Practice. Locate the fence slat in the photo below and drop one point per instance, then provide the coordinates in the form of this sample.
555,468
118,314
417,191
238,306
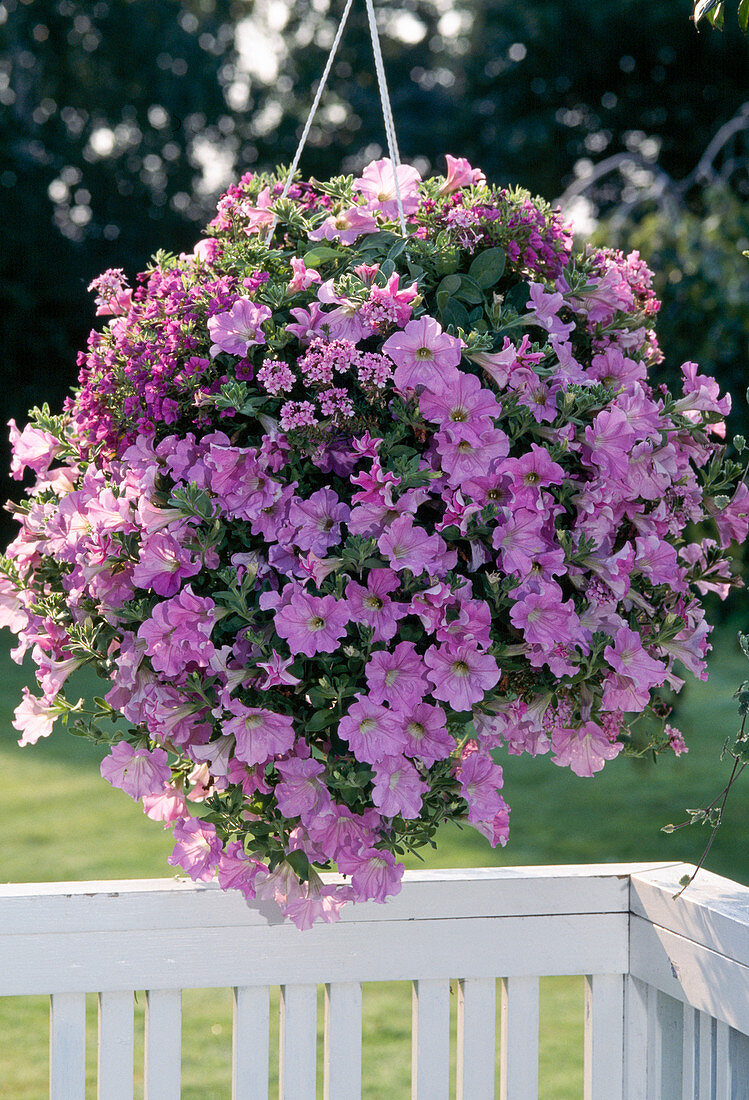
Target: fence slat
430,1039
654,1049
635,1038
705,1077
250,1025
343,1037
476,1038
738,1053
689,1053
722,1064
115,1054
163,1068
604,1037
519,1048
297,1043
67,1046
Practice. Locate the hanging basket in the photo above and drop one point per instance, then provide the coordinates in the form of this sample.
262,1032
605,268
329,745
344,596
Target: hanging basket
370,484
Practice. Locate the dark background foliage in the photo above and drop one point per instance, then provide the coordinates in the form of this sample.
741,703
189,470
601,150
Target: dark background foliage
121,119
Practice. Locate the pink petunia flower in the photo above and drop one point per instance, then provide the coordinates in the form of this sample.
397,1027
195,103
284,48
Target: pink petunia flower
425,733
373,606
461,674
239,328
312,624
584,750
396,677
460,174
398,787
197,850
137,772
301,792
371,730
424,355
377,185
375,876
259,733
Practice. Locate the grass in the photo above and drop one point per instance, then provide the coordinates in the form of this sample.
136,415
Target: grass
61,821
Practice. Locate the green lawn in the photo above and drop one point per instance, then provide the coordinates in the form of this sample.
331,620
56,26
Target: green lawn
61,821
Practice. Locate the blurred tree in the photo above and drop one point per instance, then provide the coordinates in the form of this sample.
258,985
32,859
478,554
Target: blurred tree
122,118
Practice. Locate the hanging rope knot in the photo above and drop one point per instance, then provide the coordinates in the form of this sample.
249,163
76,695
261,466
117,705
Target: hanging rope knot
387,111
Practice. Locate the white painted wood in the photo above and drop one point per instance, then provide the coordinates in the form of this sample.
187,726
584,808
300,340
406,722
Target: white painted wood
690,1030
67,1046
712,911
738,1054
163,1065
297,1043
68,939
604,1037
635,1039
670,1015
250,1028
115,1053
706,1053
722,1064
690,972
169,904
654,1049
519,1042
476,1038
430,1040
343,1040
399,950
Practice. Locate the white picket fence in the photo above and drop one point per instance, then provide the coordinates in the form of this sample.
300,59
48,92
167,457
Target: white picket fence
667,981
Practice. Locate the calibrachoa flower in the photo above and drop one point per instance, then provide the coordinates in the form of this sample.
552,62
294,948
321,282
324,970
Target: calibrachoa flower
343,548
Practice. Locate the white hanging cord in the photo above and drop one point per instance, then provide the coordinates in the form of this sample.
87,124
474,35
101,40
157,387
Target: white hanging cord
387,110
313,111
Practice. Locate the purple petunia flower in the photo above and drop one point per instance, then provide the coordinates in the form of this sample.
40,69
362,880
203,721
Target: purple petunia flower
312,624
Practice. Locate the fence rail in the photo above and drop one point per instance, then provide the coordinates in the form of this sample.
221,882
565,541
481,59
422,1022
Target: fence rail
667,981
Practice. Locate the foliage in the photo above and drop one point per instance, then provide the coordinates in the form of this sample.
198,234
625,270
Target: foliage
714,11
121,121
338,511
702,280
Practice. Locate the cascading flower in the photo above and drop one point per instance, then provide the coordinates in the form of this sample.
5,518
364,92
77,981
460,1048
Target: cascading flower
348,517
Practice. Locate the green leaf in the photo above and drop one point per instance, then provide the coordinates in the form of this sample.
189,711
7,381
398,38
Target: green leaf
703,8
488,267
744,643
449,285
318,255
320,720
470,291
455,313
518,296
299,863
397,248
744,15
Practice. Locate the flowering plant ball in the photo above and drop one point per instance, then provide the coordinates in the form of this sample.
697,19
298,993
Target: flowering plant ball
338,512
